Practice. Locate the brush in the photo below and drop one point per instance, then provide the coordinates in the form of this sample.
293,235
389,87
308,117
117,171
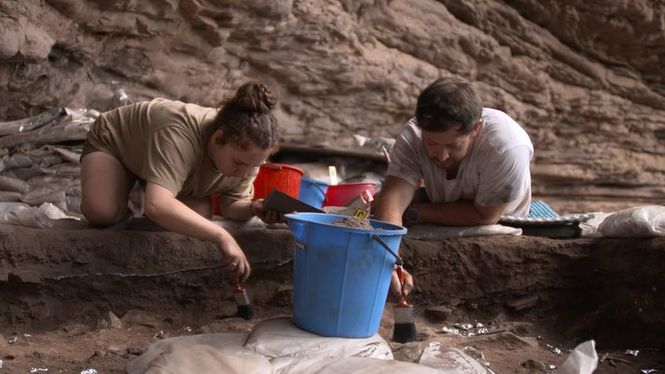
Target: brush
245,310
404,330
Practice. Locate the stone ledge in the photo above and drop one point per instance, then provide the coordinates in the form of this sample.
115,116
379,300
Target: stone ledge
48,276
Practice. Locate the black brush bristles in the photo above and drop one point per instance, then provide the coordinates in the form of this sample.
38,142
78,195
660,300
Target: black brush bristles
245,309
245,312
404,330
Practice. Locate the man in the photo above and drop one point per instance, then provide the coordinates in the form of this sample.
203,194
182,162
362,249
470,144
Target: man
472,161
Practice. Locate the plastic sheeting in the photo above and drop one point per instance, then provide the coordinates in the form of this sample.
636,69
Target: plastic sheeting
277,346
643,221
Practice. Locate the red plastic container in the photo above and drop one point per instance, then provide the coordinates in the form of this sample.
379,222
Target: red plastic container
282,177
342,194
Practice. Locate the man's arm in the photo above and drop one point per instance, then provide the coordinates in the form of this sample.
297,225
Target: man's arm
395,196
390,204
459,213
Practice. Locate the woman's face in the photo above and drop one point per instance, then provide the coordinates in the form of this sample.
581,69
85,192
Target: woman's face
233,161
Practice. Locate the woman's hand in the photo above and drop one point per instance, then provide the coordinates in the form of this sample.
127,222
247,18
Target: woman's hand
235,262
397,291
267,216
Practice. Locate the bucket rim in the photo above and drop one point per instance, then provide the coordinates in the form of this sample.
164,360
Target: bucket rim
271,165
351,185
354,184
395,230
314,181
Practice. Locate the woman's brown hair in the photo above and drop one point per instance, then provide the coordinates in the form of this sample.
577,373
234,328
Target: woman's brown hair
246,117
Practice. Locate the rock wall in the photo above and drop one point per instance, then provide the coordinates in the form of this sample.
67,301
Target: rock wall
585,78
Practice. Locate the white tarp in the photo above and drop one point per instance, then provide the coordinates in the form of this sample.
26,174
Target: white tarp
277,346
209,353
450,360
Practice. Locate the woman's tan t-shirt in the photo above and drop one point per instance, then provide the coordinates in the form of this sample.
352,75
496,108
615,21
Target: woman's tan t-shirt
164,142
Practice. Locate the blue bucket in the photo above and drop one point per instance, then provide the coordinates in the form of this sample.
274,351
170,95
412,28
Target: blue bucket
312,192
341,274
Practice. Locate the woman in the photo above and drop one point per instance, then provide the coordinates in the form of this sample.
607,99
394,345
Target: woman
183,153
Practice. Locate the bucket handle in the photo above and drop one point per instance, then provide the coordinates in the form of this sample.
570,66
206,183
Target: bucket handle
398,260
325,198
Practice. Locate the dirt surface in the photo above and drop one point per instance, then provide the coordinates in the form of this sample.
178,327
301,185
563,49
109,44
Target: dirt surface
534,295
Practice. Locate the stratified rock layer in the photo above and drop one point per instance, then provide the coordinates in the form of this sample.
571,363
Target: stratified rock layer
585,78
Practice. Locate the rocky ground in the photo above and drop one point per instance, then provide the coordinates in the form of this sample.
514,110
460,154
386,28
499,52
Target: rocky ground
522,344
59,288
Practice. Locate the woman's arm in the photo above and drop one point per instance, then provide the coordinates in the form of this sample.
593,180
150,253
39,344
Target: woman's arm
244,209
240,210
162,207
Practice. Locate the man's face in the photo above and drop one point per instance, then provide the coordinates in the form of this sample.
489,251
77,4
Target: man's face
448,148
233,161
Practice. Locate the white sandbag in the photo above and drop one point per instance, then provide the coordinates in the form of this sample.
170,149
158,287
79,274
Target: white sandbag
30,123
10,196
195,354
69,154
23,173
450,360
582,360
280,338
44,216
642,221
590,227
45,194
13,184
357,365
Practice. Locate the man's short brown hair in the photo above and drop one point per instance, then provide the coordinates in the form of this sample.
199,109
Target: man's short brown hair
448,103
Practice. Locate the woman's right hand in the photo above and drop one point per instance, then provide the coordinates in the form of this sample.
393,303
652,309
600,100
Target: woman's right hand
267,216
235,261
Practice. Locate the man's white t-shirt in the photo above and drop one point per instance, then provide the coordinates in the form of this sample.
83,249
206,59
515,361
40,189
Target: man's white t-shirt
494,172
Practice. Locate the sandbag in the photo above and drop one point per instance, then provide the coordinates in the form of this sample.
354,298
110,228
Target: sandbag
44,216
31,123
13,184
357,365
642,221
279,337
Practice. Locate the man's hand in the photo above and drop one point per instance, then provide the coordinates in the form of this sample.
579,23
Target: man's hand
397,291
267,216
235,261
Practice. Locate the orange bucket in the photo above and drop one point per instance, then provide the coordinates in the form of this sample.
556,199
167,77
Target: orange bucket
282,177
342,194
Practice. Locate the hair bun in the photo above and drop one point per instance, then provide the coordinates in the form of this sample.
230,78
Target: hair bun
254,97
